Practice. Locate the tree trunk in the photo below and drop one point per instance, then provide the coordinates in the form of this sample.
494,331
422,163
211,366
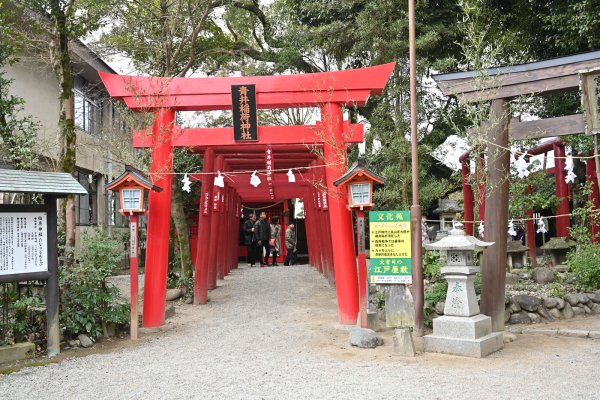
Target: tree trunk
67,138
183,233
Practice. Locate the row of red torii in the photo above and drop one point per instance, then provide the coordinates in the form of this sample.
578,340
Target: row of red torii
319,152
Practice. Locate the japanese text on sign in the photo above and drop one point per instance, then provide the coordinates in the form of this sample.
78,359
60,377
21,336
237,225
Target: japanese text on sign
244,112
23,243
390,247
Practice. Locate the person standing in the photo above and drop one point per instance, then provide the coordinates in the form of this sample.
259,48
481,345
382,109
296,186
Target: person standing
290,244
249,240
262,235
275,242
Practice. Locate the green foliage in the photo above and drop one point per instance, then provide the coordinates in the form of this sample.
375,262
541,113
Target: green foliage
88,302
379,300
584,262
437,292
543,196
555,289
17,324
584,214
432,264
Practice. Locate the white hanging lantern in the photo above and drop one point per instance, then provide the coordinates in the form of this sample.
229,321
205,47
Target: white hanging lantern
291,176
219,180
254,179
186,184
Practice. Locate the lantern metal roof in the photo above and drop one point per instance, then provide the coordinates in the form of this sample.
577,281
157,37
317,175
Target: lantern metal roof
59,184
135,174
458,240
357,169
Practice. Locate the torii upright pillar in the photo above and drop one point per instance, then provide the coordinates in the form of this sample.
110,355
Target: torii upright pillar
159,219
344,258
493,273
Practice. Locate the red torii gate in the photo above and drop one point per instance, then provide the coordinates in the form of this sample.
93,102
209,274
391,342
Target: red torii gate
329,223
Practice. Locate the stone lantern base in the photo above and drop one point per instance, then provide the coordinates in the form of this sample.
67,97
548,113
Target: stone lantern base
463,336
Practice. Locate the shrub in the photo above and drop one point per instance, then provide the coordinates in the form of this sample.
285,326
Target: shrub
432,264
556,289
437,292
379,300
584,262
87,301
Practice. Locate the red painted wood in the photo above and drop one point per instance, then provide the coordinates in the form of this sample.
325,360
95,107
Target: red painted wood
159,220
530,232
562,223
321,85
263,100
591,177
204,223
481,186
362,272
340,219
468,198
268,136
214,231
222,235
133,280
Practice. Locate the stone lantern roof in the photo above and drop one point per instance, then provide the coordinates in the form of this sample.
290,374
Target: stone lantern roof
515,246
458,240
448,206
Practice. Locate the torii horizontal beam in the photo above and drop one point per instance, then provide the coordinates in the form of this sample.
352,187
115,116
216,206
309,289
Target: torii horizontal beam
349,87
273,135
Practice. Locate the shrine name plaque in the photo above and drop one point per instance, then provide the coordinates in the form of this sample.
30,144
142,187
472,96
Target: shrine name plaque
23,242
245,125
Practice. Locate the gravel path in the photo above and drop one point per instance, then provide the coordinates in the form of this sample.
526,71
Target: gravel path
272,334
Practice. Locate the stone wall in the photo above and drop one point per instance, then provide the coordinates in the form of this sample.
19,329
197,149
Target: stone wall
527,309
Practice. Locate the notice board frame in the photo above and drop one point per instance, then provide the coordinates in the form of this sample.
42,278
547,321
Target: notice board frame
31,276
51,276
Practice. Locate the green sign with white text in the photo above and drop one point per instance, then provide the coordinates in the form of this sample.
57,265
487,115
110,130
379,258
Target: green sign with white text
390,247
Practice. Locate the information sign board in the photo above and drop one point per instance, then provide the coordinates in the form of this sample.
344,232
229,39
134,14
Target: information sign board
23,242
390,250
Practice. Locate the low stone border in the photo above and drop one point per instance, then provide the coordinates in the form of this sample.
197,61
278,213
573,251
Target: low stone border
526,309
576,333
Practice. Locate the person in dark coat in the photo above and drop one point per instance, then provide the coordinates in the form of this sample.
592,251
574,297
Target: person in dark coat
262,235
249,239
291,240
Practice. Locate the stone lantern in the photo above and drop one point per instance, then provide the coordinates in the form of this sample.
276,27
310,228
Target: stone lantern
558,248
516,254
462,330
446,211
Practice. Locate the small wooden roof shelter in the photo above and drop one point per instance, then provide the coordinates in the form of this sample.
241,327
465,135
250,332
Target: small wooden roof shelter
57,184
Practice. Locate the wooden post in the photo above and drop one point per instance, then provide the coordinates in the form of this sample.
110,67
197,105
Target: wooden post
214,229
159,220
52,320
340,218
562,191
133,275
493,271
530,233
363,298
467,196
204,224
